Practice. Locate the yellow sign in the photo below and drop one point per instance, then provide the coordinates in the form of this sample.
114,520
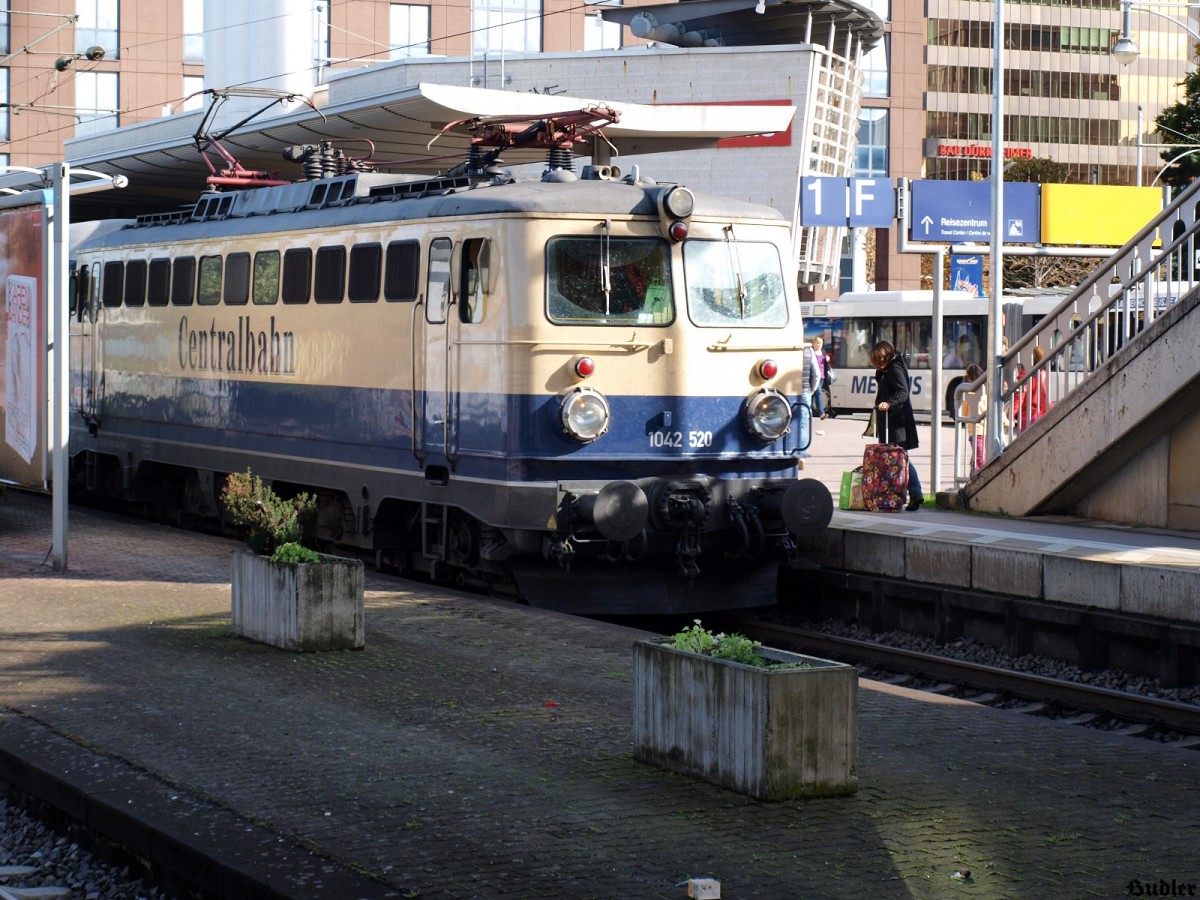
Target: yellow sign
1096,215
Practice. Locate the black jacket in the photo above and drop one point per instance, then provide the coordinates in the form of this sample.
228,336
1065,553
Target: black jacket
891,387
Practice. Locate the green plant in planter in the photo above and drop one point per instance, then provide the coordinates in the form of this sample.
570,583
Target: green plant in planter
734,647
274,526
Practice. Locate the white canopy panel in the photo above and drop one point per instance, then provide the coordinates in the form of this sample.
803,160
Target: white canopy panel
161,157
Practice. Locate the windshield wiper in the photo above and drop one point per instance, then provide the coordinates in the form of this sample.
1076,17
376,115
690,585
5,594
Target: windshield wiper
731,239
605,262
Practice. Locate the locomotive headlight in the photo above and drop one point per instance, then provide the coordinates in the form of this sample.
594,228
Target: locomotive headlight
675,204
584,414
768,415
679,202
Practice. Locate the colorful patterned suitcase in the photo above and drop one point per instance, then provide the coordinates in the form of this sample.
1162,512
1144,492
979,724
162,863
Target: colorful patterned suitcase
885,475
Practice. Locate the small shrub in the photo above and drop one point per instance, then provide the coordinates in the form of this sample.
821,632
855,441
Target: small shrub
270,521
292,552
735,647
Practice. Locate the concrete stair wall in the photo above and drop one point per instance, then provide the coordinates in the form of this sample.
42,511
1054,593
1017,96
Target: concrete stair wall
1122,447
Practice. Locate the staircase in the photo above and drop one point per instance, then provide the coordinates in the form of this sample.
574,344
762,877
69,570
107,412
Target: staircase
1122,368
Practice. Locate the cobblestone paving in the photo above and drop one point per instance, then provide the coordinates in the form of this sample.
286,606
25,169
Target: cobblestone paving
482,749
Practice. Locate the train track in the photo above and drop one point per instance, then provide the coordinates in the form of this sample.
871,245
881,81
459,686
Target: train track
1079,703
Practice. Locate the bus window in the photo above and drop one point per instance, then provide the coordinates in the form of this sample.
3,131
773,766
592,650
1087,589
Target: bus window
911,340
858,336
963,340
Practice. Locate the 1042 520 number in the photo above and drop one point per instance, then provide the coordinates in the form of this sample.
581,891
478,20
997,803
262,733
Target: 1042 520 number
676,439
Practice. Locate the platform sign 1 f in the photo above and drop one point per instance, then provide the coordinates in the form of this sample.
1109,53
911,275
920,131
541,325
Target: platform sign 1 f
854,202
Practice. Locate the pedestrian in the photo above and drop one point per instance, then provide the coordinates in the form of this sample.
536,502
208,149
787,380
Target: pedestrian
1038,389
976,428
830,378
809,381
893,402
818,395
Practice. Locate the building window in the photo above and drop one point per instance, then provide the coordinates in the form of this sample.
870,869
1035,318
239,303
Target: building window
95,102
3,26
513,26
193,31
97,26
192,98
871,158
1020,36
4,109
409,30
599,34
875,69
881,8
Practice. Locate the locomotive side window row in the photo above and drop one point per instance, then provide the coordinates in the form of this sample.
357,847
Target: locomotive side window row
267,277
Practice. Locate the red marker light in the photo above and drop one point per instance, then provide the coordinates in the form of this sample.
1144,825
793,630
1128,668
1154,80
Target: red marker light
584,366
678,231
768,368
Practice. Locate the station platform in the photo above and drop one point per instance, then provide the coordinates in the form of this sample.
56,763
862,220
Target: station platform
477,748
1146,572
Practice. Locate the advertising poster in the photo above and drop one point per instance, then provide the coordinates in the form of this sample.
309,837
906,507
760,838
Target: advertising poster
966,274
22,363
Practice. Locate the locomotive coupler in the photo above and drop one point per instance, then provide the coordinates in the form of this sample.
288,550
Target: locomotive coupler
678,504
683,506
687,550
561,550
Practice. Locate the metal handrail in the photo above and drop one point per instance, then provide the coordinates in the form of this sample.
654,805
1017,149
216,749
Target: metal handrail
1088,328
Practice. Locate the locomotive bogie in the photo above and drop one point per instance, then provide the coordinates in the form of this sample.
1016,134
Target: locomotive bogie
496,383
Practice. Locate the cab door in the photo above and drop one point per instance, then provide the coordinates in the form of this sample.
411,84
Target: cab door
434,436
85,360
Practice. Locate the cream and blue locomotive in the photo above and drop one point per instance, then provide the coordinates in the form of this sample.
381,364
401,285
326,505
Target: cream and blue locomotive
583,390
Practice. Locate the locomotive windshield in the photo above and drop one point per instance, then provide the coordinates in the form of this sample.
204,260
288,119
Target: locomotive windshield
609,281
734,283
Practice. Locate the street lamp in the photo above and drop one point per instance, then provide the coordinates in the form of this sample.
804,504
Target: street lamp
1125,50
1163,170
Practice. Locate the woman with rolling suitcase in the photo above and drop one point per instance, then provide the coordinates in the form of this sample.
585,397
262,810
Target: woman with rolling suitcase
896,425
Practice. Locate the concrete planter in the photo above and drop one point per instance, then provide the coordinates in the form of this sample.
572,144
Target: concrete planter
772,734
299,606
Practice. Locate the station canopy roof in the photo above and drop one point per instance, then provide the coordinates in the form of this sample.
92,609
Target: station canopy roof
162,162
760,23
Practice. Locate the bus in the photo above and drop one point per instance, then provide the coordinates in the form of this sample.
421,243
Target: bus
851,324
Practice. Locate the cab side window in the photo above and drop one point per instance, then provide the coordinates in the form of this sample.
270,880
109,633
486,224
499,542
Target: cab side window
476,274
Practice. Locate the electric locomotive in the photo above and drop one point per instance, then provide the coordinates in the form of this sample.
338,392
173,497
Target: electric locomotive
582,390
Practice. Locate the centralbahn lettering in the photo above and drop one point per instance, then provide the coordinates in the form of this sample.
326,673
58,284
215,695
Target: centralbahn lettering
244,350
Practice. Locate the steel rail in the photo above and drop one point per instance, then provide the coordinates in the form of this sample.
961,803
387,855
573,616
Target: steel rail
1169,714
